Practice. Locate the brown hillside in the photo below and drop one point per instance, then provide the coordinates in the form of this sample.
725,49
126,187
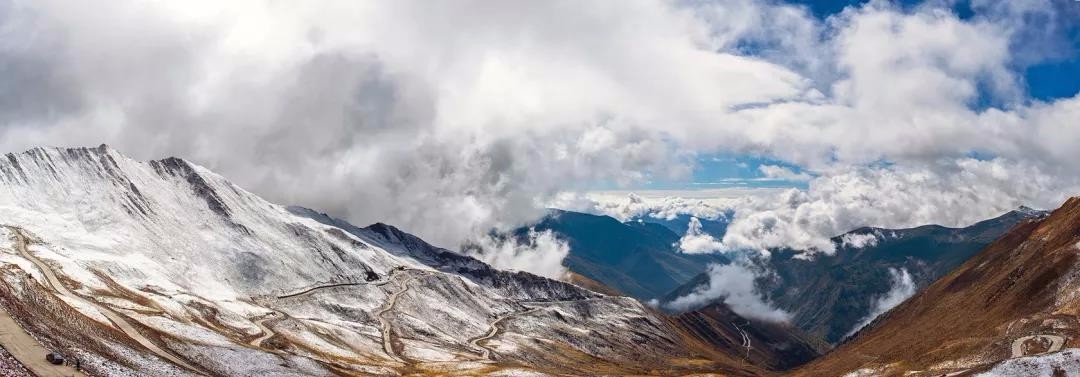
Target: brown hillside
1022,285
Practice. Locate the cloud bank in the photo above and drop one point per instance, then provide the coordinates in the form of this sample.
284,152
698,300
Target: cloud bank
540,253
696,241
449,119
734,285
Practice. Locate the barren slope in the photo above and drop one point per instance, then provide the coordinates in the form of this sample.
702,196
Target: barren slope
1020,295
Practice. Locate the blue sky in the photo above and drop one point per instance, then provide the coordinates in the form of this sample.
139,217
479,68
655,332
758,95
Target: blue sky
1054,76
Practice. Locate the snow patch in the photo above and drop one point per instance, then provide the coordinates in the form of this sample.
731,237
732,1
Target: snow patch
1067,361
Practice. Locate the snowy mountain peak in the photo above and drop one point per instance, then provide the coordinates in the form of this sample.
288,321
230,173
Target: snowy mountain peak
216,274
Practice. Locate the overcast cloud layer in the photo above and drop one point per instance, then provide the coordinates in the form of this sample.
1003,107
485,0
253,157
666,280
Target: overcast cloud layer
449,118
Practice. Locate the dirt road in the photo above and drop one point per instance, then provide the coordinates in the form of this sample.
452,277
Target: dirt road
267,331
493,330
388,345
1056,342
21,245
308,291
28,351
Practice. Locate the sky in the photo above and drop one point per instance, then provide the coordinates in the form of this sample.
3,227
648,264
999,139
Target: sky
451,118
1055,76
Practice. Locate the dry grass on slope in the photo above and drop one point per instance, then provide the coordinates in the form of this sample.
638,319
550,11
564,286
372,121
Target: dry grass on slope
1025,283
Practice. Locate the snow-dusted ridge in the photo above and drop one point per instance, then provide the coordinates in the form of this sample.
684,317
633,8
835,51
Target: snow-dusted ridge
207,268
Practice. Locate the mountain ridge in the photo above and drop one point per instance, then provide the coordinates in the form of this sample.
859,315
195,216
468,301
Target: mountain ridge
829,294
230,284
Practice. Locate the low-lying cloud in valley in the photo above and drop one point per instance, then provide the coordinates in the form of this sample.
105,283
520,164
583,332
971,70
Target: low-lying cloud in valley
734,285
903,287
450,119
541,253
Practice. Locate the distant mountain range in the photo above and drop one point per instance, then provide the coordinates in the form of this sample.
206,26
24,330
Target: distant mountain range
828,296
638,258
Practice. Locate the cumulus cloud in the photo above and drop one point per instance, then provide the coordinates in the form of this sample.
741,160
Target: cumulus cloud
734,285
715,205
696,241
951,193
859,240
903,287
539,252
450,119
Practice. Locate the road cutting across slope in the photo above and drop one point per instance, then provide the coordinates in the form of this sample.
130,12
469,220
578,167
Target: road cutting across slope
388,345
22,247
28,351
745,339
308,291
267,332
493,329
1056,342
311,290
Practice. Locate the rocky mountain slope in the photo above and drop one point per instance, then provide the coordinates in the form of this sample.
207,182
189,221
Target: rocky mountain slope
165,268
1011,310
830,296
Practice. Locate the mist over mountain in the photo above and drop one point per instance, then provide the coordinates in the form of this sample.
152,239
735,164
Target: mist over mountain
828,297
544,188
638,258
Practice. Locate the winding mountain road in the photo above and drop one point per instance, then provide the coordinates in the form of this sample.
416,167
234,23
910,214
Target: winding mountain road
1056,342
267,331
22,246
388,345
313,289
308,291
745,339
493,329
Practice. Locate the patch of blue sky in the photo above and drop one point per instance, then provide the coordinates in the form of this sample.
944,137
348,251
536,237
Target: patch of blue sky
1051,75
719,171
1047,50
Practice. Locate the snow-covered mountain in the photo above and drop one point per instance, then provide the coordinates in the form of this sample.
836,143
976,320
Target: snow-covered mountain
166,268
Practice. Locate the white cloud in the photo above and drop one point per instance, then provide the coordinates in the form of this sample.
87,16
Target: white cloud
734,283
449,119
859,240
541,253
696,241
660,205
903,287
783,173
951,193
